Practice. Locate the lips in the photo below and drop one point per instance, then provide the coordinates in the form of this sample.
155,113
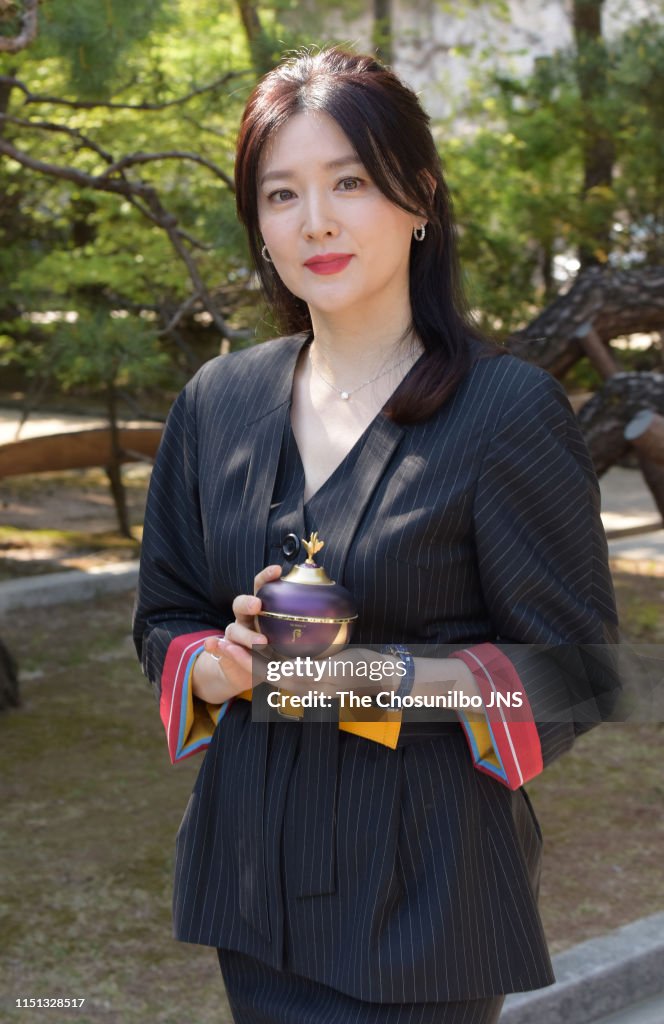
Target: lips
329,263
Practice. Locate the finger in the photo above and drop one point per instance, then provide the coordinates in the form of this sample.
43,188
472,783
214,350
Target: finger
245,606
214,646
267,575
238,633
236,654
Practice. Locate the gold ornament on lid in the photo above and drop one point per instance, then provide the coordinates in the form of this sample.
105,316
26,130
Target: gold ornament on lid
312,547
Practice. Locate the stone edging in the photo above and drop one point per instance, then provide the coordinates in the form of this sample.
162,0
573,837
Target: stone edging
597,977
62,587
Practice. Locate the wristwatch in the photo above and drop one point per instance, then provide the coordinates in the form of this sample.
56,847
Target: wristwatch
404,655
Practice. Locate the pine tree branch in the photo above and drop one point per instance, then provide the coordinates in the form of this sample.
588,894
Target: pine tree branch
146,200
50,126
29,26
31,97
133,159
612,301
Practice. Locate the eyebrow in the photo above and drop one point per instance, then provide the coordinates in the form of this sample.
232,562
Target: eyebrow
341,161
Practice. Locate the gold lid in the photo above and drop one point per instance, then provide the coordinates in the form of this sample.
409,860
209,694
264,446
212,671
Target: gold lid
308,573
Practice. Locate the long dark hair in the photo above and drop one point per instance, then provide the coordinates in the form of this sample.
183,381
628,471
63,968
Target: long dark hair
390,132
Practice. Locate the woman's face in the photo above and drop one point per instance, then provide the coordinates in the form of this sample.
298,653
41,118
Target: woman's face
335,240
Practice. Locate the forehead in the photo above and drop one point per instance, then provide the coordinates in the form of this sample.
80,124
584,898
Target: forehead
308,138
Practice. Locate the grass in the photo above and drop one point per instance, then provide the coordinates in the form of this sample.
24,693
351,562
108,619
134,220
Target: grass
91,806
66,520
31,552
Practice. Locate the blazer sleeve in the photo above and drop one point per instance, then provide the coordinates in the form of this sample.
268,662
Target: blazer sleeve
543,565
173,612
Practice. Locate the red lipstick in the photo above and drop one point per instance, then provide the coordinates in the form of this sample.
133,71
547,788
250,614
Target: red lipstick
329,262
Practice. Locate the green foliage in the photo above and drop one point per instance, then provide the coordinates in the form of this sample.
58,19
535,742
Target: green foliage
95,353
516,173
638,77
514,162
96,37
10,18
67,247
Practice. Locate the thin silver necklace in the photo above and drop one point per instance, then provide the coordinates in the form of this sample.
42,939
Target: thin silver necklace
345,393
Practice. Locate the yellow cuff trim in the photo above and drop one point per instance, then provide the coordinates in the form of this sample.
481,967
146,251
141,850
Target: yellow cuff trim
386,732
478,725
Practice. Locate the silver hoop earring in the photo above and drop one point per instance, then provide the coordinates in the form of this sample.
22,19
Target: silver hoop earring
419,233
265,254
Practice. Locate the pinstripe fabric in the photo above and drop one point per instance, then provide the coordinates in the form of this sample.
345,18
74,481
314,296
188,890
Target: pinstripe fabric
479,525
260,995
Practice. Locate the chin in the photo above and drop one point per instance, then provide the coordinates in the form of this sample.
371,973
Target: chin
332,302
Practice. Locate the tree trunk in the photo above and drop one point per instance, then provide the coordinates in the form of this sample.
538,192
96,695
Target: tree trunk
603,419
613,302
114,467
259,44
382,30
598,146
653,474
5,97
9,695
646,433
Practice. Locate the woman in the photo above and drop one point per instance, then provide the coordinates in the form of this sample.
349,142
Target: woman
380,871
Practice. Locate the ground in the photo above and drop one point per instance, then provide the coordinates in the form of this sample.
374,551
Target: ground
57,521
91,804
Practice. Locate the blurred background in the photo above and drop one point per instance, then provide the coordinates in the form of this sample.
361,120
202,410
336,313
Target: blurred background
122,269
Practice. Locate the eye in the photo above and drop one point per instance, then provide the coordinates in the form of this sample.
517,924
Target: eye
280,195
349,184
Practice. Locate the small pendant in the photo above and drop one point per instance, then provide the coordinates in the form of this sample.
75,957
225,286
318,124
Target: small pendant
345,396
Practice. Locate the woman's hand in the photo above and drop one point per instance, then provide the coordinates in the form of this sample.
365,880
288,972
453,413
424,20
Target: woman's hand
224,670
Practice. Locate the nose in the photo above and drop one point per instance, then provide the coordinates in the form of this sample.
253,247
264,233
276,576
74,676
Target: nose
319,220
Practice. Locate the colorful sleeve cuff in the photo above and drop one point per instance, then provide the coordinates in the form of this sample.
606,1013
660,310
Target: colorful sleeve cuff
503,738
188,721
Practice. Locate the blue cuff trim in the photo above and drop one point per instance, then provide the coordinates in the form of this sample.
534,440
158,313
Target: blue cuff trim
187,695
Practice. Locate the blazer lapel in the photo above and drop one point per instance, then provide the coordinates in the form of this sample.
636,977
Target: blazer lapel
353,491
262,443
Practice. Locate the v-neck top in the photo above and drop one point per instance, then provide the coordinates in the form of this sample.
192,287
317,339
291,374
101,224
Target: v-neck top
290,515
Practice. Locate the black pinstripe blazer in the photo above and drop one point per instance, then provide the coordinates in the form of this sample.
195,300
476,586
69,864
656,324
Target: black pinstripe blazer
399,875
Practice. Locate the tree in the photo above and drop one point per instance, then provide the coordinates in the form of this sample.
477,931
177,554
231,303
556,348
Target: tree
108,209
597,139
9,692
519,176
116,193
103,355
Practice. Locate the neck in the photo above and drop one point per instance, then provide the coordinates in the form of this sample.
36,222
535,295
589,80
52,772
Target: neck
353,350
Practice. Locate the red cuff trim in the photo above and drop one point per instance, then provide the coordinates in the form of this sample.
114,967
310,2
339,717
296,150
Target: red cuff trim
173,679
513,730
